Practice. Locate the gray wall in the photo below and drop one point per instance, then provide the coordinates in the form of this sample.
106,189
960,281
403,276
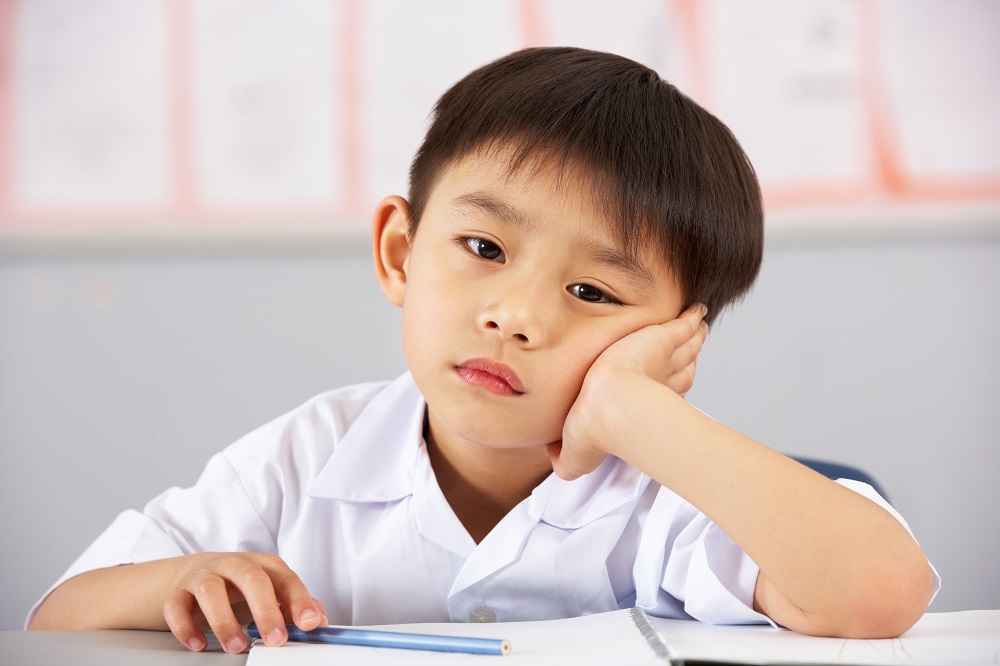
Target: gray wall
122,370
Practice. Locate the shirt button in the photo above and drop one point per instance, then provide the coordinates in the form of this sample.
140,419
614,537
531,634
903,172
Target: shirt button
482,614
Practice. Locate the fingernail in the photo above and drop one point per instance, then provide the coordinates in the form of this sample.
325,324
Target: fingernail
197,644
236,645
308,616
275,637
704,309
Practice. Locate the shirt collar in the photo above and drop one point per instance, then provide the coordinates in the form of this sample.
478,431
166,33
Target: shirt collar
377,458
573,504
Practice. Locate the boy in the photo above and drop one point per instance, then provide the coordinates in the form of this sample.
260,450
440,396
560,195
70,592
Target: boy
574,224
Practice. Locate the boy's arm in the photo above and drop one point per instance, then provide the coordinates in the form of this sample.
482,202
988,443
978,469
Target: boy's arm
185,594
831,561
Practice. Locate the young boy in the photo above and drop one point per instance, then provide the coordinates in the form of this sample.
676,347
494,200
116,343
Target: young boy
574,224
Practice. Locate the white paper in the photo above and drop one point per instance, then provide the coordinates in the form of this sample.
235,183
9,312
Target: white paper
787,78
412,53
971,637
941,71
648,32
608,638
90,104
957,639
267,102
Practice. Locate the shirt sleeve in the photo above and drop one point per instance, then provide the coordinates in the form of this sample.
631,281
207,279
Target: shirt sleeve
688,567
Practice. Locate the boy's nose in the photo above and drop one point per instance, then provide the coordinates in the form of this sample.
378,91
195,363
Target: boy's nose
519,316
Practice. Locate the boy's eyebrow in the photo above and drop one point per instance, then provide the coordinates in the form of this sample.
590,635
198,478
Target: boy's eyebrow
615,258
493,206
505,213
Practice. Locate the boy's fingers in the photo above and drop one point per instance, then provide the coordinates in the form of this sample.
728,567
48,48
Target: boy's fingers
181,606
304,611
308,614
178,611
210,593
688,352
680,382
694,314
257,581
687,327
569,464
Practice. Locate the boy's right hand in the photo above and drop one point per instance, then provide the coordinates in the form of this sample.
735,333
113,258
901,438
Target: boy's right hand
221,591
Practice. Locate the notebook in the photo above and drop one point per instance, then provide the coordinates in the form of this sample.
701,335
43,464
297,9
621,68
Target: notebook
630,637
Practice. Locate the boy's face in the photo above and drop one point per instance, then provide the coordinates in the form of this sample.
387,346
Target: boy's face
513,287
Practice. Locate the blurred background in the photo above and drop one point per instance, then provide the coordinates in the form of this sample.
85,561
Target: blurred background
185,191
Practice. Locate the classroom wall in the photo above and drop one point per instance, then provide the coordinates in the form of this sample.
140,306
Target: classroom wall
184,195
121,373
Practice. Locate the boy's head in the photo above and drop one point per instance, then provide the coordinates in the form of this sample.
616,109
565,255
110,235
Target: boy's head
667,173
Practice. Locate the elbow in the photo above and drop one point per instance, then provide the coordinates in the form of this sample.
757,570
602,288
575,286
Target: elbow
897,595
38,620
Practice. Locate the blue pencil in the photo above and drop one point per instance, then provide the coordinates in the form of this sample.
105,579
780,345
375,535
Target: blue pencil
393,639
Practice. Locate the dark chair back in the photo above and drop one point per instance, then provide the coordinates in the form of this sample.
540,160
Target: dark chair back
837,471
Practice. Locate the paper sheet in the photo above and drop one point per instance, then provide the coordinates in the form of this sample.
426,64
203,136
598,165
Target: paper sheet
411,56
957,639
266,80
970,637
787,77
89,98
608,638
941,63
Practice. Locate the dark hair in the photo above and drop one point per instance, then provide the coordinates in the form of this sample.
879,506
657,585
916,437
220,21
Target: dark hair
668,172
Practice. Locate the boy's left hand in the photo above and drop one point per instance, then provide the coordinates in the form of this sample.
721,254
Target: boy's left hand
666,353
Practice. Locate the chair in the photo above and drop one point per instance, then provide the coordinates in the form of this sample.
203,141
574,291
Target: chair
837,471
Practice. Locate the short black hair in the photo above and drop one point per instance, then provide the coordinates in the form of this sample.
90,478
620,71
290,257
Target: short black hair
669,173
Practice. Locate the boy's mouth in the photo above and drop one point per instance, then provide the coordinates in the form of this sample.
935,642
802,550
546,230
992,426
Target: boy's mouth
494,377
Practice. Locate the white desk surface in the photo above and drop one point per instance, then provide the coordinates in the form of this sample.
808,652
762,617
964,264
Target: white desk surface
971,637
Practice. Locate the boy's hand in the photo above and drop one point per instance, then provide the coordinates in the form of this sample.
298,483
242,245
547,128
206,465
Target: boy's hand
666,353
225,590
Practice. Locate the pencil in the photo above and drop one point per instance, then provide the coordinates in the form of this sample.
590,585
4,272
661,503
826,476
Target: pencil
393,639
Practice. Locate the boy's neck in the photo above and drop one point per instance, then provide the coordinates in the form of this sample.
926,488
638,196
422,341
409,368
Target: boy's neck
482,485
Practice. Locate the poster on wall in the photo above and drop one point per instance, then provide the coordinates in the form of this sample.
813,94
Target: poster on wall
291,114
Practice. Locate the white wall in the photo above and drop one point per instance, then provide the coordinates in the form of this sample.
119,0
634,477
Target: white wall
121,372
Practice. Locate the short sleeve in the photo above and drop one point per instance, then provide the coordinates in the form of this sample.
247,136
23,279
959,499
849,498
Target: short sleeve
175,523
688,567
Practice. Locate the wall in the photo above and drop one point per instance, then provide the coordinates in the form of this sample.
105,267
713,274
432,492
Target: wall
120,374
184,184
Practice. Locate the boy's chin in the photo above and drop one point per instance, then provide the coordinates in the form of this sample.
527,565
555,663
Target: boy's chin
500,435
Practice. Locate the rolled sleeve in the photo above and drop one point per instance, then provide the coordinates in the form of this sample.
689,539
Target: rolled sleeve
132,537
688,567
177,523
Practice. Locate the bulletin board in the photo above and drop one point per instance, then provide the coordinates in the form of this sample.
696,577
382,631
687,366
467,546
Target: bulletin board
287,114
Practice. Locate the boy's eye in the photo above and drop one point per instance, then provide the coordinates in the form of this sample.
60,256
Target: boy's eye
484,248
590,294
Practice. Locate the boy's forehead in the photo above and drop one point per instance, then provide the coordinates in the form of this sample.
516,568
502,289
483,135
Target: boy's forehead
499,178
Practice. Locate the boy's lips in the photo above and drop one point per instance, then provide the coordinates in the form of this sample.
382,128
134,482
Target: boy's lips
490,375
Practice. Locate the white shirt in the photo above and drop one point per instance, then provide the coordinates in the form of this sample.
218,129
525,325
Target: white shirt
342,489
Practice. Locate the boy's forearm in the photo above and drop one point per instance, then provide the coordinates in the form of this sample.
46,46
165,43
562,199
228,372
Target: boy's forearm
123,597
833,561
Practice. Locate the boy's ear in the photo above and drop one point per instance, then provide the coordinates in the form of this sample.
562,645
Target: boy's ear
391,246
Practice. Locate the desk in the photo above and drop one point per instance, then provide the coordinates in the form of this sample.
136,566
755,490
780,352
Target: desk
107,648
971,637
